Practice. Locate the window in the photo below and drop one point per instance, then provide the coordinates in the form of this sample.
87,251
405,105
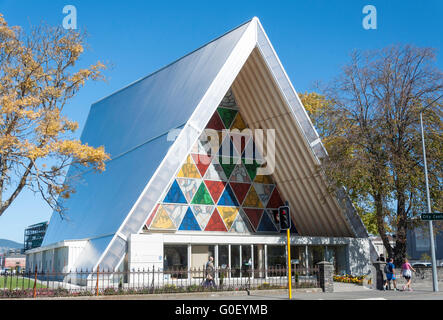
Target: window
175,257
235,261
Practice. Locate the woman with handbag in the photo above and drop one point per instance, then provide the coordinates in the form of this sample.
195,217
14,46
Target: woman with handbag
406,270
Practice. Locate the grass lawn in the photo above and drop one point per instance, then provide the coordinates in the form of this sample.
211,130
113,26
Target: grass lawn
20,282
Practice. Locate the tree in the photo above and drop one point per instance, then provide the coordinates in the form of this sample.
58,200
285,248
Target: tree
37,79
377,154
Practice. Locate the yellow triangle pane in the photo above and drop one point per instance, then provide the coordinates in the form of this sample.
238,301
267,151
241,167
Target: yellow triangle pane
263,179
252,200
228,215
189,170
238,123
162,220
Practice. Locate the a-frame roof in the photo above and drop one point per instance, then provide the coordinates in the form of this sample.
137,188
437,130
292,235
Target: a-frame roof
134,125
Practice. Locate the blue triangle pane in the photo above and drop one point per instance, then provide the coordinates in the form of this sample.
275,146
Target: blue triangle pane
228,198
189,222
175,195
266,224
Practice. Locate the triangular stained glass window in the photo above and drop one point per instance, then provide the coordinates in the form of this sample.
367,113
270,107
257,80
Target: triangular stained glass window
175,195
215,188
202,196
254,216
266,224
228,198
189,170
240,190
215,223
228,215
189,222
189,187
162,220
252,200
227,116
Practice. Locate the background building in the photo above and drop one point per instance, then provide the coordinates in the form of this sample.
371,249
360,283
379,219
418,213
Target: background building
34,235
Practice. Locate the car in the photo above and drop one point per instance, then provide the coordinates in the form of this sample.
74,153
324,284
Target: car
421,264
2,271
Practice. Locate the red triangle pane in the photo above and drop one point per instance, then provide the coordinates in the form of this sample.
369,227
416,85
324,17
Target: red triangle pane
275,201
254,216
215,188
215,122
202,162
215,223
151,216
240,190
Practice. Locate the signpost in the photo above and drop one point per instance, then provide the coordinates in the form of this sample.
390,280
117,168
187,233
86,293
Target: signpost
432,216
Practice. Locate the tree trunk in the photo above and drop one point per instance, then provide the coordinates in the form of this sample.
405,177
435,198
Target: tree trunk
400,243
378,201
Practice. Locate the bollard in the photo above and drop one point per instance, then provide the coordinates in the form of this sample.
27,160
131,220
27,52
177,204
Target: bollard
98,267
35,283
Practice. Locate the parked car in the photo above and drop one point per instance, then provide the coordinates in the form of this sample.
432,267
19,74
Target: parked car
421,264
2,271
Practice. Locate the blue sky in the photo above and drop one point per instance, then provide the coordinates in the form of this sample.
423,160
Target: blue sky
313,39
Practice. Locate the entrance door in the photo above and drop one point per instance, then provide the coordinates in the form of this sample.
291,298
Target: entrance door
199,257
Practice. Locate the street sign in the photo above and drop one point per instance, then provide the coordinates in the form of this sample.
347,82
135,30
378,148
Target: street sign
432,216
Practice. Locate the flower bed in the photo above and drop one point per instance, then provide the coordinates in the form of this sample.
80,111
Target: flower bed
349,279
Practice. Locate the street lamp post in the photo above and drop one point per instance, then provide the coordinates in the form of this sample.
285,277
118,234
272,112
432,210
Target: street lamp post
431,231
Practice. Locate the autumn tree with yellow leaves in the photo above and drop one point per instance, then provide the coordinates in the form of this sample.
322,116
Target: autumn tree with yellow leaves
368,118
37,78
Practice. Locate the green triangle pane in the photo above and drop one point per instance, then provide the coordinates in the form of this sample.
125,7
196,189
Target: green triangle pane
227,116
251,168
228,165
202,196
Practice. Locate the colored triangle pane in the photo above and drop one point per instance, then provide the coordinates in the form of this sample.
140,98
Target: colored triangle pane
228,215
241,224
162,220
227,116
202,162
252,200
189,187
251,167
151,217
240,174
275,201
175,195
238,122
228,101
202,214
240,190
215,188
254,216
266,224
228,165
215,172
189,170
215,223
215,122
202,196
189,222
228,198
264,192
176,212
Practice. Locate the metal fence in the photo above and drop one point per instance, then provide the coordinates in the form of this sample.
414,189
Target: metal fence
148,281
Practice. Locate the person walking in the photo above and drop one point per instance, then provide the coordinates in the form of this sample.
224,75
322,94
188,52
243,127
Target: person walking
406,271
210,272
390,274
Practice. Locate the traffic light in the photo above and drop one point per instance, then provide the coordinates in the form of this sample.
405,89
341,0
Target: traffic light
284,217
